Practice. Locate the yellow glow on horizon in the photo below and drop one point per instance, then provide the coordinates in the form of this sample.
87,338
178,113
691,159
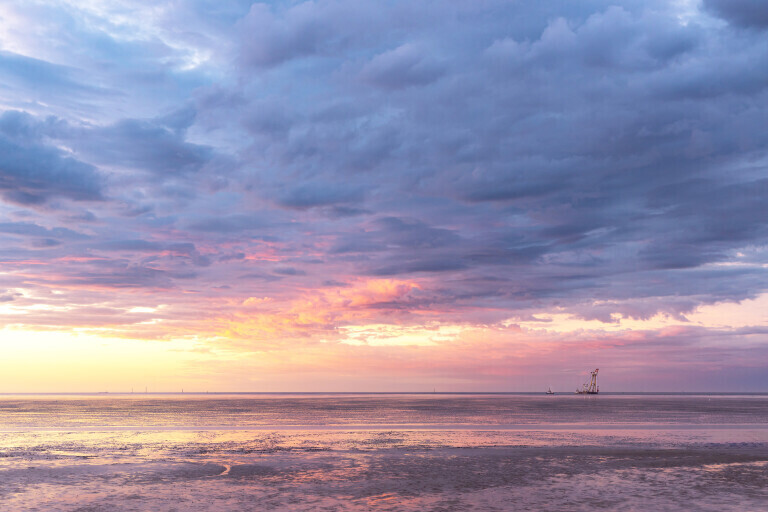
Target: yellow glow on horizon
283,346
53,361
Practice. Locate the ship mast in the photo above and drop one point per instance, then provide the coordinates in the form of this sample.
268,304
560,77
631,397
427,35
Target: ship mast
591,388
593,384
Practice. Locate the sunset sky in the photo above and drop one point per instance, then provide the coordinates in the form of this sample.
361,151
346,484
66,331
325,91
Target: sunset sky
346,195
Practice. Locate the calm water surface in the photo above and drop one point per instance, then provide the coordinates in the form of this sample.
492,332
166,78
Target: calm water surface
383,452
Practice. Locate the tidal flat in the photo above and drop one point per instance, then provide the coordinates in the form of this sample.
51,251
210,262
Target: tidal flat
383,452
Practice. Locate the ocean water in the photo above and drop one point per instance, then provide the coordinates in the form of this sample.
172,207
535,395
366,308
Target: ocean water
383,452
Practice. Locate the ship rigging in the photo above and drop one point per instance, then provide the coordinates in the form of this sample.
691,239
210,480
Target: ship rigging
590,387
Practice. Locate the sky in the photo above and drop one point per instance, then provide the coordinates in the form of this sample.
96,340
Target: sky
336,195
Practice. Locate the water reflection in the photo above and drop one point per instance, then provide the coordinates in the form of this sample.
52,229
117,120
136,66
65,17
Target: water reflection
341,453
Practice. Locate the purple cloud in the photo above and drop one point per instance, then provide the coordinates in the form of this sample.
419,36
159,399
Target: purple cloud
497,160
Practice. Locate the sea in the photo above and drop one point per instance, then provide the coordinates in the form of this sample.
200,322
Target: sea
383,452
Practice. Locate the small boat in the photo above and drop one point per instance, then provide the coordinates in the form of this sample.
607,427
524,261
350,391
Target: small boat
549,391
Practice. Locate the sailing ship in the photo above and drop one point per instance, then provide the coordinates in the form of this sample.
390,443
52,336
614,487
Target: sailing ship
549,391
590,387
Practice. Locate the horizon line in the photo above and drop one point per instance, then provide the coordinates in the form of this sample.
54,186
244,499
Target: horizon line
63,393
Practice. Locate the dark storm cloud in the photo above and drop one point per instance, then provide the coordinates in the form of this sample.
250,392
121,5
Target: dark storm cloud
397,246
258,276
154,145
81,216
130,245
144,246
405,66
133,276
404,266
32,173
734,215
413,234
604,158
501,188
228,224
45,243
345,211
289,271
31,229
745,13
274,34
309,195
238,256
403,234
269,118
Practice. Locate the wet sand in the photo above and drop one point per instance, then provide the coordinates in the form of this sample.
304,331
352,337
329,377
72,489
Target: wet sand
76,465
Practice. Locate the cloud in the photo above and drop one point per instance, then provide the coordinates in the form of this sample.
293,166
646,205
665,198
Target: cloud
405,66
31,76
130,246
406,234
289,271
598,161
743,13
184,249
32,173
312,195
272,35
31,229
8,296
228,223
155,145
269,40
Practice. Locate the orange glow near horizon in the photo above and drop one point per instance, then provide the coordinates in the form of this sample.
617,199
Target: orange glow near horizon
273,345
